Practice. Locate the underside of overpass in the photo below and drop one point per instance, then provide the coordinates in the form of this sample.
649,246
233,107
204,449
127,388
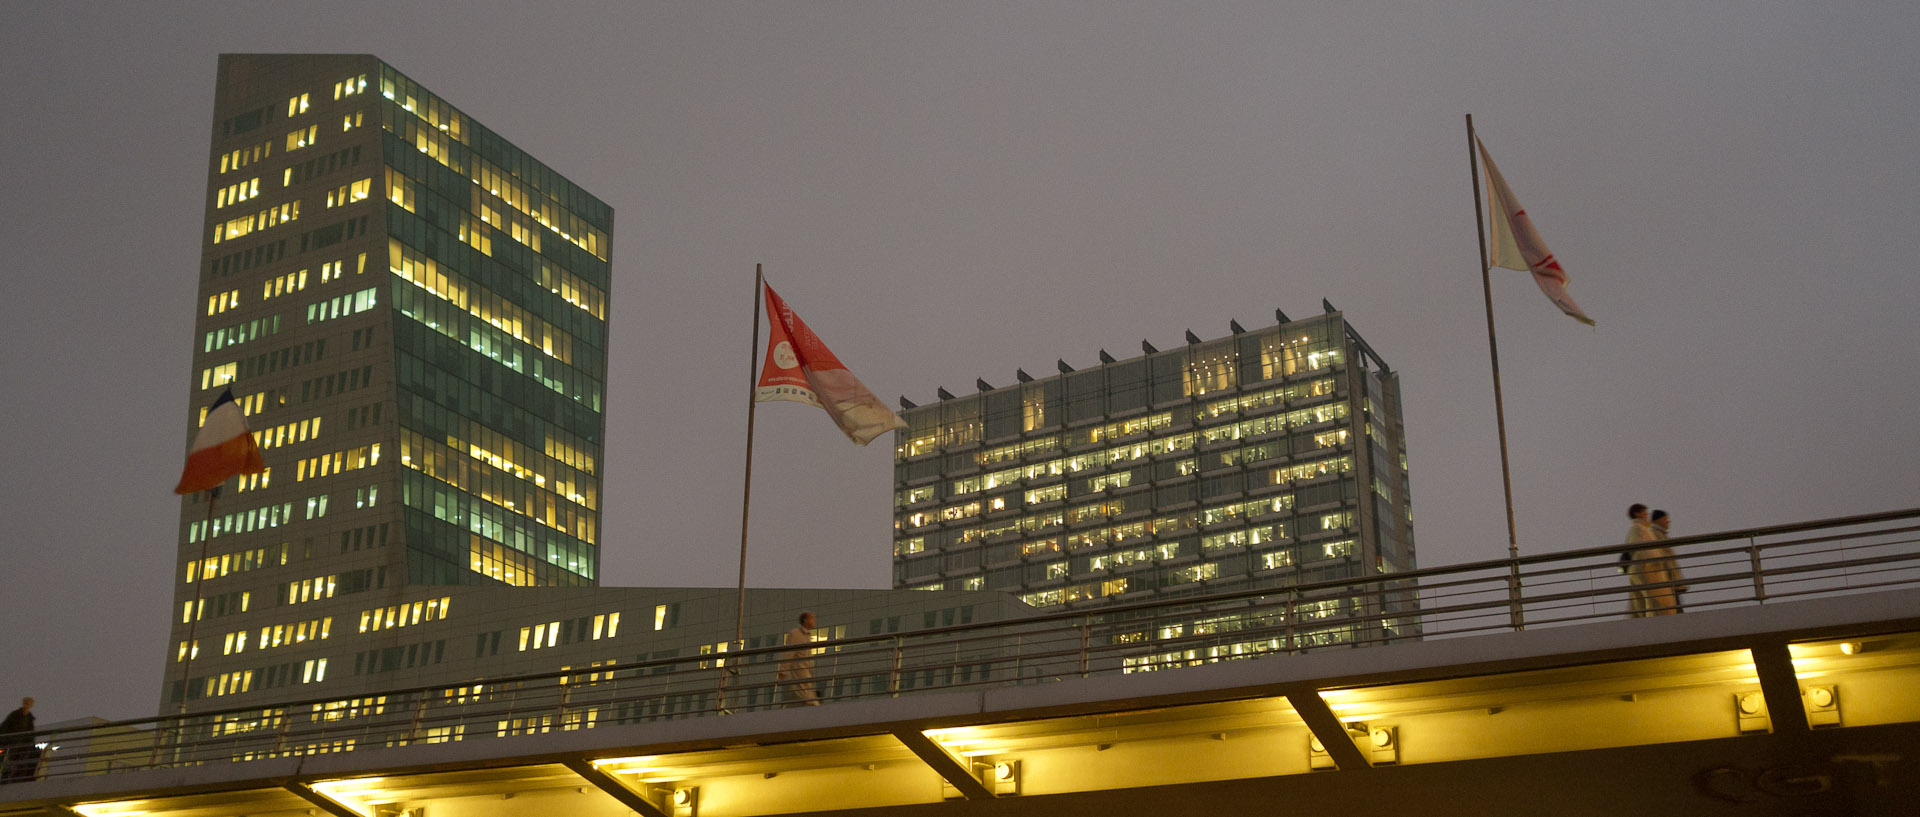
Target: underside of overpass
1799,708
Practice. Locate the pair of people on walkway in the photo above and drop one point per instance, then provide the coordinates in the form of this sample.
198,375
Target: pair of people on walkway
1652,569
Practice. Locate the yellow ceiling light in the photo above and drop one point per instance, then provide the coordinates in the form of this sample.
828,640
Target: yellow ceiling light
959,742
1351,711
129,808
354,785
1343,699
626,764
358,794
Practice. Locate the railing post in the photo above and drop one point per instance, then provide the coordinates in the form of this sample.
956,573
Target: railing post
280,732
1753,561
419,714
1086,643
893,673
183,742
566,700
1515,614
160,730
1293,599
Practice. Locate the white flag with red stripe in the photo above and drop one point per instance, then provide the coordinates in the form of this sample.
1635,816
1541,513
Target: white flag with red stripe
1514,244
223,448
800,368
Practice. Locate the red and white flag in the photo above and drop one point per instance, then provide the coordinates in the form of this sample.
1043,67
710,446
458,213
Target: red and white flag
224,447
800,368
1516,245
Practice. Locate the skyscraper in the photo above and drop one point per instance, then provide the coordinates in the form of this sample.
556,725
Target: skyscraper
1268,458
413,313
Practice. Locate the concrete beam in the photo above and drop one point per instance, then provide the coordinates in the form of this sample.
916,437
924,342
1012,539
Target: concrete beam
323,802
1319,717
1774,664
615,788
935,756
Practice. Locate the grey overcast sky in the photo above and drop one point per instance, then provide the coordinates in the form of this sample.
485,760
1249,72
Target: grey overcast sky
954,190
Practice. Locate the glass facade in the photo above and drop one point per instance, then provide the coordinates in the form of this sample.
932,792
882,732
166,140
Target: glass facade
1264,459
499,280
413,314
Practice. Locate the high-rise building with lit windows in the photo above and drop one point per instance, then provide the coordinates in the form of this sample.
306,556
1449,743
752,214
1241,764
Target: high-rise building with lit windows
1268,458
413,313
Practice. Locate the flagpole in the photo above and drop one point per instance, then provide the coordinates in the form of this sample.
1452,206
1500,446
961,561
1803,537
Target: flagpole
199,588
1493,344
746,493
199,569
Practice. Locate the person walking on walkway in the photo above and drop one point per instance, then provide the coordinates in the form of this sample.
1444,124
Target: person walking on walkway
796,665
19,760
1639,531
1661,569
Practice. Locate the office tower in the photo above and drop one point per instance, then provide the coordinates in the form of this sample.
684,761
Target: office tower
1268,458
413,313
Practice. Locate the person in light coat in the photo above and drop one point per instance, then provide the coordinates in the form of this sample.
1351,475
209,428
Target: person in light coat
1660,568
796,665
1639,530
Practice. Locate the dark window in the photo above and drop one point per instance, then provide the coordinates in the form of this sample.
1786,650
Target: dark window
1127,386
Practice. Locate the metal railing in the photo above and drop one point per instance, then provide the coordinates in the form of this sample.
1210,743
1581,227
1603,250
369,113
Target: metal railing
1833,557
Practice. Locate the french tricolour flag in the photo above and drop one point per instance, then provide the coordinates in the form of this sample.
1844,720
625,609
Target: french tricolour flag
224,447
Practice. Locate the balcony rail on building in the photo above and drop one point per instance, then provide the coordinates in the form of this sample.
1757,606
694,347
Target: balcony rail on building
1826,558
